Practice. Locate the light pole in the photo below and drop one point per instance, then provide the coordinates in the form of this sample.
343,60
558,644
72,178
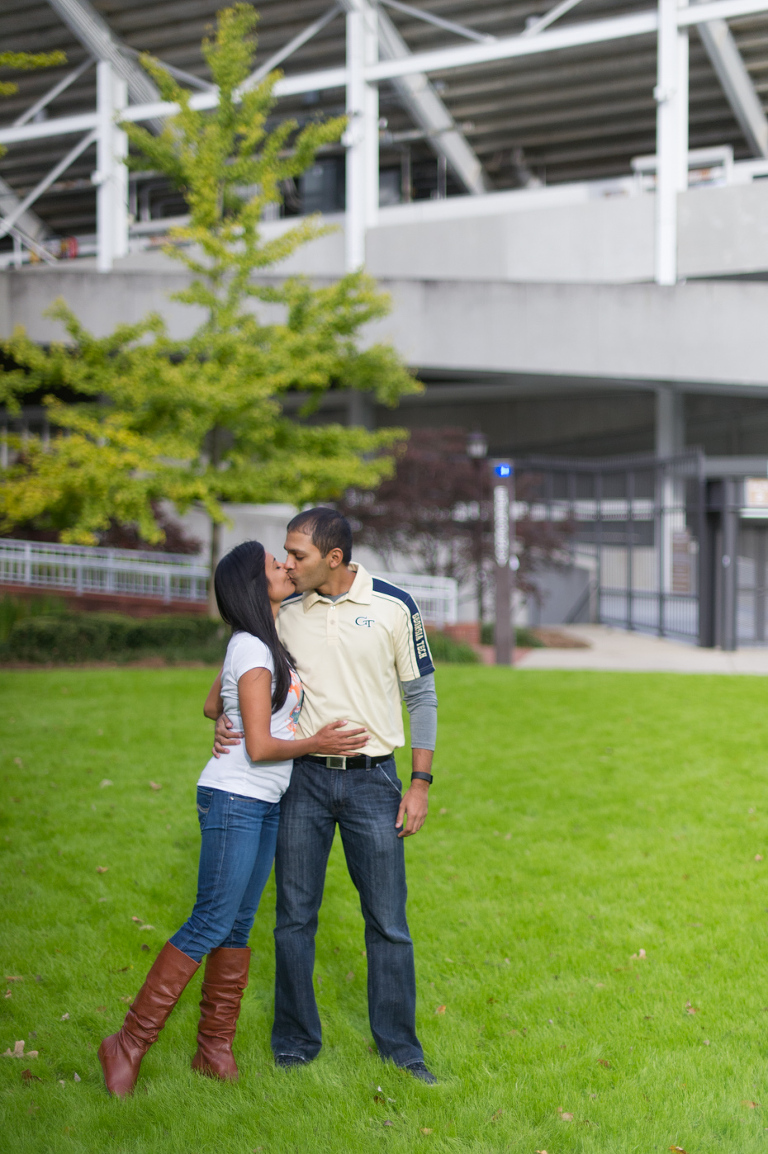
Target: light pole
505,558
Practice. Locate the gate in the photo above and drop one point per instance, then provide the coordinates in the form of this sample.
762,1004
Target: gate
636,525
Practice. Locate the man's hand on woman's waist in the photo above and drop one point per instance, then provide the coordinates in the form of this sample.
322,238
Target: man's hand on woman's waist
225,735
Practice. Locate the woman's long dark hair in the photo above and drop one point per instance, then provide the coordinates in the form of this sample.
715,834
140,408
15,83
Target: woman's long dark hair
242,595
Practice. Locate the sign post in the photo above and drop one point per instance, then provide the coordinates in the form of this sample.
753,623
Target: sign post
503,551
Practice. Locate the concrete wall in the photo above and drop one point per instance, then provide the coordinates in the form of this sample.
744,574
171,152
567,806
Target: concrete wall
708,332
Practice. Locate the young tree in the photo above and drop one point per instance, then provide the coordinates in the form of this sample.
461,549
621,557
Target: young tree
200,420
437,508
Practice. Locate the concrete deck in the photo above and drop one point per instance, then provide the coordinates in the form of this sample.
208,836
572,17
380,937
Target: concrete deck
614,650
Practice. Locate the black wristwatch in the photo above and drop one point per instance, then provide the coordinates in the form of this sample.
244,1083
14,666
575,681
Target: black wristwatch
417,776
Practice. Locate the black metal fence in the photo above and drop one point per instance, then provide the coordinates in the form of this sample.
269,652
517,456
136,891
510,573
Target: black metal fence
638,527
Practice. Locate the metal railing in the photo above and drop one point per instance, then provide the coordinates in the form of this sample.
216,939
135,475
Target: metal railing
436,597
168,576
121,572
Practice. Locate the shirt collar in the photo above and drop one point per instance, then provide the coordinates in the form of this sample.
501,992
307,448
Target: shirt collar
361,591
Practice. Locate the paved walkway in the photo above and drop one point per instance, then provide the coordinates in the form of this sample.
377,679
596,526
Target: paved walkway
617,650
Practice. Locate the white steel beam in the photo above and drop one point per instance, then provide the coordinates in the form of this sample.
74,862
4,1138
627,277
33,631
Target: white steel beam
736,83
421,101
52,93
671,94
361,136
16,214
292,46
111,178
28,221
92,30
537,26
441,22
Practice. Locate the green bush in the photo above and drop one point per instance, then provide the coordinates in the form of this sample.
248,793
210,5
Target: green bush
444,648
75,637
524,638
13,609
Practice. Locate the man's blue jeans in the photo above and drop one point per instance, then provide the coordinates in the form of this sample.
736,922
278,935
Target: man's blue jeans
364,804
239,835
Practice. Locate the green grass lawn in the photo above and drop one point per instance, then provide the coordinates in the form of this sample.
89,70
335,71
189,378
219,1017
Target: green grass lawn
576,820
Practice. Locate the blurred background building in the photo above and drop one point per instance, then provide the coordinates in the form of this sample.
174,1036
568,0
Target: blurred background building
568,203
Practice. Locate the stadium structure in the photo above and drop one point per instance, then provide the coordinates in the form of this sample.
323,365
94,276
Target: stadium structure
568,203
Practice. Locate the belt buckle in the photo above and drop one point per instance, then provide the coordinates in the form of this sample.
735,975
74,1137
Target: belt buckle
336,762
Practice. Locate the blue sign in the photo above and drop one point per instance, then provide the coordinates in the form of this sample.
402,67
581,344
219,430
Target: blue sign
502,470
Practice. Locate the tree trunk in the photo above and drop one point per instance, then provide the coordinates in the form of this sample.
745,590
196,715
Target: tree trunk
216,534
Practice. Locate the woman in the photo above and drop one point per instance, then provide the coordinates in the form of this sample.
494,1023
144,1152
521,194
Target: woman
238,803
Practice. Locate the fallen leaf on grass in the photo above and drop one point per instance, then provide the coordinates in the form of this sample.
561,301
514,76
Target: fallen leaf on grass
7,992
18,1051
379,1098
135,919
154,785
752,1105
351,976
103,784
639,956
28,1076
707,1042
144,946
77,1078
425,1130
65,1017
443,811
126,999
13,978
677,1149
604,1062
441,1009
691,1009
146,927
102,1009
19,762
495,1117
387,1122
566,1117
541,1152
758,857
101,869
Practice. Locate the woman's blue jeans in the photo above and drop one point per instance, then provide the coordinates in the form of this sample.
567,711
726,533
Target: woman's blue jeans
239,835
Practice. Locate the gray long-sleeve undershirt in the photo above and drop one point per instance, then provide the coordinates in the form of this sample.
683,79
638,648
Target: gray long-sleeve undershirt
421,702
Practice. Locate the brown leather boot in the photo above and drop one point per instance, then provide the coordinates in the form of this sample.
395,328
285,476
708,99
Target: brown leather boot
120,1054
226,976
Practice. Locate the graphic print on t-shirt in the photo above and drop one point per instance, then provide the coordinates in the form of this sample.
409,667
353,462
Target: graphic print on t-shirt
296,691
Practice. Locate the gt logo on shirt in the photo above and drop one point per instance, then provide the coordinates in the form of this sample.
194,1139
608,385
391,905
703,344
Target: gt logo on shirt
366,622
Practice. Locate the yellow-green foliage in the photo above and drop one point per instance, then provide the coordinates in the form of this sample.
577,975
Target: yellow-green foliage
200,420
26,62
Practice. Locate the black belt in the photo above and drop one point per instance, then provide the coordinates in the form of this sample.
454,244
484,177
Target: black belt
360,761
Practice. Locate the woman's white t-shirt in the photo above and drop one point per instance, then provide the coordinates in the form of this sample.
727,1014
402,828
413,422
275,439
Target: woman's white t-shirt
235,772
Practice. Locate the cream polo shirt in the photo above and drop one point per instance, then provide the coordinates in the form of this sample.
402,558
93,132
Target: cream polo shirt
351,655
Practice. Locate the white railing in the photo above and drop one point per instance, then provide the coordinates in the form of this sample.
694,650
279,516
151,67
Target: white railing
121,572
436,597
168,576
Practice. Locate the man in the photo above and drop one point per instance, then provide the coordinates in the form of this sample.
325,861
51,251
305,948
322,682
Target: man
357,642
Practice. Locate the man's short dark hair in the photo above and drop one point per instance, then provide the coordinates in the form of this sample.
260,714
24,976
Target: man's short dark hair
327,530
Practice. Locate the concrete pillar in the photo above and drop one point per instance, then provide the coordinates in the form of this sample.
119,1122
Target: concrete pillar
670,442
360,410
670,422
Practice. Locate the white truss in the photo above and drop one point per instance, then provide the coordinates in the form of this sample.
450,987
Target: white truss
374,56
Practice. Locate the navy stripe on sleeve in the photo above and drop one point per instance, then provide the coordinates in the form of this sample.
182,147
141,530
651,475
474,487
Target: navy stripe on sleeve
423,656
